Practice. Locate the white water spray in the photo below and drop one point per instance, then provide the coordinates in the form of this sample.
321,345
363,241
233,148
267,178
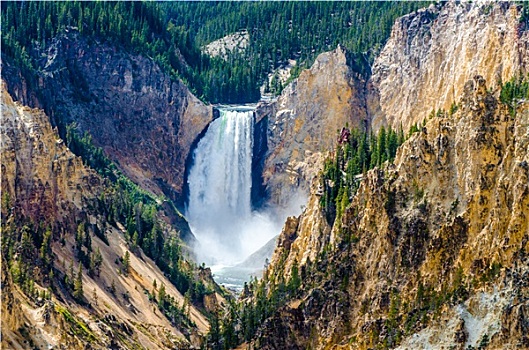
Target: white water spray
220,182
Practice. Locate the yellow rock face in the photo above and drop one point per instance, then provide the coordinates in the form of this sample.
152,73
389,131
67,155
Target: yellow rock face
423,67
433,52
306,119
45,183
38,170
458,218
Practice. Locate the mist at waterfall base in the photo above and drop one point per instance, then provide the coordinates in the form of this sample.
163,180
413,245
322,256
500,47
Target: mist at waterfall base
219,209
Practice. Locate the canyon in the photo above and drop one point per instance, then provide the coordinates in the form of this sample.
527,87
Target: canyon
431,250
423,67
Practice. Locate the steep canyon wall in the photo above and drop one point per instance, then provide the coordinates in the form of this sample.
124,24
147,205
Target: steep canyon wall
144,120
423,67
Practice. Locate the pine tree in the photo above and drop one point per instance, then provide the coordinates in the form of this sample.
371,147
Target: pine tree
413,129
51,277
95,262
87,242
27,245
126,263
186,305
228,328
392,144
344,203
78,284
135,241
45,249
113,287
79,239
381,146
161,296
71,275
373,148
295,280
214,332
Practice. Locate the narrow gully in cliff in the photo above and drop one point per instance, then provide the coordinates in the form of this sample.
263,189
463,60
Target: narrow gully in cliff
219,207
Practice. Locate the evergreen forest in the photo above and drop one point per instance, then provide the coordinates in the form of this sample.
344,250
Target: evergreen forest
173,33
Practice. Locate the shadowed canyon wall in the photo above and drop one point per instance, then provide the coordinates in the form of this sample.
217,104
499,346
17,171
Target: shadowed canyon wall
143,119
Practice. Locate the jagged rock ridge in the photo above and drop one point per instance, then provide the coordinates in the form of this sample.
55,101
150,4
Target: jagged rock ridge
305,120
429,56
426,245
431,53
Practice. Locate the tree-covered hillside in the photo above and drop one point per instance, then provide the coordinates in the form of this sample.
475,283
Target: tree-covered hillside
172,33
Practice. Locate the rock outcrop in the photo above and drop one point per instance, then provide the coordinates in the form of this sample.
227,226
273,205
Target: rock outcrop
422,68
228,45
45,185
432,52
41,177
144,120
432,250
306,119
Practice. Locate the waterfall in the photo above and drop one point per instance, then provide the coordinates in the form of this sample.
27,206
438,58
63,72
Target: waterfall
220,182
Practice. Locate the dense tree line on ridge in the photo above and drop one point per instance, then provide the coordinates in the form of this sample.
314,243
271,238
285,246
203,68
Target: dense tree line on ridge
170,31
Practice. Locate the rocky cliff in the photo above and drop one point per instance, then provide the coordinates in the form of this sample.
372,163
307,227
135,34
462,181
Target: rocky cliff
422,68
46,187
41,177
144,120
432,52
431,252
306,118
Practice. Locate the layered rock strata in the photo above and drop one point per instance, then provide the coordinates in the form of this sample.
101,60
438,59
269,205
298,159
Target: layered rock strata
44,183
306,119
